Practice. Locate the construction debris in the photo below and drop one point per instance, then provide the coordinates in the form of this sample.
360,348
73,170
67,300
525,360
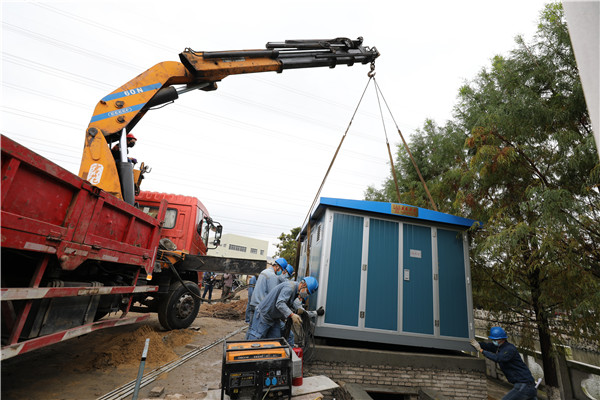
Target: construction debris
157,391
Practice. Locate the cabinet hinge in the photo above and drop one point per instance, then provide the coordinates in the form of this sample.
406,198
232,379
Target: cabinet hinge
362,314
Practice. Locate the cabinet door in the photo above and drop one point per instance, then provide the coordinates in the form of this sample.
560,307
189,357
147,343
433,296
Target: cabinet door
343,283
381,310
417,280
454,319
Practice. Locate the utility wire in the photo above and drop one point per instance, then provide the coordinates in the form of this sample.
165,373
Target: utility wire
37,93
103,26
70,47
39,117
24,62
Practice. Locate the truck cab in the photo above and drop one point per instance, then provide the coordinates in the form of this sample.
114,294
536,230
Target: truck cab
187,222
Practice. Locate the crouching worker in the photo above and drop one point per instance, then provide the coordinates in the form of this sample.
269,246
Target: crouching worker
277,305
268,279
511,364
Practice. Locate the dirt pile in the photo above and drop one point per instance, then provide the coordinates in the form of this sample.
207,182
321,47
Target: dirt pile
234,310
126,349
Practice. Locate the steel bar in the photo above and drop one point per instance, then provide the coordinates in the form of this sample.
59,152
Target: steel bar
136,389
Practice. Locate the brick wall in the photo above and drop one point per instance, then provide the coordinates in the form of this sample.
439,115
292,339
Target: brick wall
399,373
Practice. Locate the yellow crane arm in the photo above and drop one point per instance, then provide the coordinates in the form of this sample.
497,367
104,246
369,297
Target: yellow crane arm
118,112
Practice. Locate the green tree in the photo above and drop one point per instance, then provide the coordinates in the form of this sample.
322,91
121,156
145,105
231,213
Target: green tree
530,172
440,154
286,247
534,175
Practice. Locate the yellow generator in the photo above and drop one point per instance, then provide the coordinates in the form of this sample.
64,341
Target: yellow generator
257,369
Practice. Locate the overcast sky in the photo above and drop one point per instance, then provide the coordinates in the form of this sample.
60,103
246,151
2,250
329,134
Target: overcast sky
254,151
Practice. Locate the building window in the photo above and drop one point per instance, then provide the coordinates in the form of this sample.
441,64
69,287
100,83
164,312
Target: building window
235,247
253,251
262,252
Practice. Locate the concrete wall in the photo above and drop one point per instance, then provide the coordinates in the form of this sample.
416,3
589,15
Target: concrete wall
457,377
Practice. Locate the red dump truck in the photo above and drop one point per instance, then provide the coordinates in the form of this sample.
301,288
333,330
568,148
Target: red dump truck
72,253
77,248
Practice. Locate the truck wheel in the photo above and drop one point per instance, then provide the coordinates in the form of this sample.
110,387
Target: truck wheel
179,308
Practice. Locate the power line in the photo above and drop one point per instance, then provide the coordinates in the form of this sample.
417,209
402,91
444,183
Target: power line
39,117
45,143
71,47
54,71
103,27
21,88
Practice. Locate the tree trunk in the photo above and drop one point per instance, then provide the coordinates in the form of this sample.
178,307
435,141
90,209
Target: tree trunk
548,364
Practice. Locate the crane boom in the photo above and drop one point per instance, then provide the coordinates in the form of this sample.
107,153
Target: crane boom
118,112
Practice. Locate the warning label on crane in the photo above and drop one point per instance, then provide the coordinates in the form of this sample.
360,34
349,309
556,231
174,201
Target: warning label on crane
402,209
95,174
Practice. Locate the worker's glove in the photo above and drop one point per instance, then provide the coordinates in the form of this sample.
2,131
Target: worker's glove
320,311
475,344
296,320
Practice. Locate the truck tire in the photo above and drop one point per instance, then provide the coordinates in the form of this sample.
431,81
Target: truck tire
179,308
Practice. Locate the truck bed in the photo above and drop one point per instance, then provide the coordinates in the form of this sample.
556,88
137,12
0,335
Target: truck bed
47,209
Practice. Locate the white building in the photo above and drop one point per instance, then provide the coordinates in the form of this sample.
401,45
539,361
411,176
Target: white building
236,246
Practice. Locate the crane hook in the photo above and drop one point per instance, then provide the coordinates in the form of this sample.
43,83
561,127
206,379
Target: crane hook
371,73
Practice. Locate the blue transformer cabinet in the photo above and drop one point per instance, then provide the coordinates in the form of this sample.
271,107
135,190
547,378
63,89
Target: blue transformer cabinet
389,273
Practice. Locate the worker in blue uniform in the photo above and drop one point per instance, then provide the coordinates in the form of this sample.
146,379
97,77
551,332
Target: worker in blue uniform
277,306
251,284
510,362
288,272
267,280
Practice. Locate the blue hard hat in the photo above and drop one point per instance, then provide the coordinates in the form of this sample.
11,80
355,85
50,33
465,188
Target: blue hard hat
497,333
290,269
311,284
282,262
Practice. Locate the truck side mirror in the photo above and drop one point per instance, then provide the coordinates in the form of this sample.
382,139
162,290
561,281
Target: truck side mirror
218,233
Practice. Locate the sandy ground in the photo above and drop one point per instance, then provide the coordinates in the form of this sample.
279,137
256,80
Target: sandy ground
90,366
